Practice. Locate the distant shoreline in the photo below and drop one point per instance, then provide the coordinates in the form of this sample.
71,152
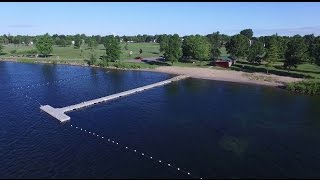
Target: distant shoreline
199,73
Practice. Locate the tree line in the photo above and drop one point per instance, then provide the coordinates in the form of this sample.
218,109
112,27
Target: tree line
264,49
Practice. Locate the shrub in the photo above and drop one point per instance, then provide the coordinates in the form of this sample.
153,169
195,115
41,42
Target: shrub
305,87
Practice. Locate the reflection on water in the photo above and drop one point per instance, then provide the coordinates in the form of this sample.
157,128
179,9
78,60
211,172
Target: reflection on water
237,145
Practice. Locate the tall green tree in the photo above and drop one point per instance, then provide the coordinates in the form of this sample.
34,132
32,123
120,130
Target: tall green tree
173,50
316,50
77,43
282,45
92,43
256,51
163,41
196,47
216,42
247,32
113,49
1,48
92,60
238,46
44,44
296,52
310,42
272,53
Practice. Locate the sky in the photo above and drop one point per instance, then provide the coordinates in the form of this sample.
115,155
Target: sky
183,18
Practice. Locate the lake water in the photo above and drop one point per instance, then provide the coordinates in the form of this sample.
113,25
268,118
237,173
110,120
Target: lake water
208,128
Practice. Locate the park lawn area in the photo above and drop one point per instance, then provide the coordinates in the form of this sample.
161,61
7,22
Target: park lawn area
310,71
71,54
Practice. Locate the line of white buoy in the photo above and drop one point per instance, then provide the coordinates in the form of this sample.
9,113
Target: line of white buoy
57,81
14,90
135,151
53,82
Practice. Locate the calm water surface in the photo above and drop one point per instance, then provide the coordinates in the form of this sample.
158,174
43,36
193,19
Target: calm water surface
208,128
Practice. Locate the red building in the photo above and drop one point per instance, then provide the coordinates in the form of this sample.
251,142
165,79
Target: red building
223,63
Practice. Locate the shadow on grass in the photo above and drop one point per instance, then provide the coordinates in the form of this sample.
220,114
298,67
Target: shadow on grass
3,53
159,63
298,70
252,69
154,52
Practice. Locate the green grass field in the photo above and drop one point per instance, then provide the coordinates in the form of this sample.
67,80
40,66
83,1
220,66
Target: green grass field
309,71
71,54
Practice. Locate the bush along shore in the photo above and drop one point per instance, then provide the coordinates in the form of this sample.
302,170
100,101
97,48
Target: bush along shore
311,87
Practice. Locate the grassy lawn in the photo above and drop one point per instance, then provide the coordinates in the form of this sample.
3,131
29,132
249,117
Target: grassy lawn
70,54
309,71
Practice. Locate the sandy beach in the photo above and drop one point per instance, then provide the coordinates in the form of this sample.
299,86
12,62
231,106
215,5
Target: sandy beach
228,75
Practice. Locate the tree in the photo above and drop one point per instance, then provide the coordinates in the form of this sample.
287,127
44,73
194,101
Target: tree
77,43
247,32
316,50
82,46
92,43
173,48
256,51
310,42
163,40
44,44
238,46
113,49
216,42
196,47
272,53
1,47
92,60
282,45
296,52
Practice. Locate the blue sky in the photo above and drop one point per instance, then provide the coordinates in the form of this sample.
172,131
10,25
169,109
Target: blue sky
183,18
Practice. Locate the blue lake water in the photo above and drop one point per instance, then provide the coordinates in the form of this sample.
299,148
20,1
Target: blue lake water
208,128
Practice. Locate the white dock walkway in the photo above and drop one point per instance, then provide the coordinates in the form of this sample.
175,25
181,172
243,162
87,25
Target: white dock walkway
59,113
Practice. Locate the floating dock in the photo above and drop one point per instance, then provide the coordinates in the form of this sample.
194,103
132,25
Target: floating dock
59,113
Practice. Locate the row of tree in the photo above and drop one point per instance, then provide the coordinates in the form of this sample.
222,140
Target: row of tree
66,40
265,49
291,50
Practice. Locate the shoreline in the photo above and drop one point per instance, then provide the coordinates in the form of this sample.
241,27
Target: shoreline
194,72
